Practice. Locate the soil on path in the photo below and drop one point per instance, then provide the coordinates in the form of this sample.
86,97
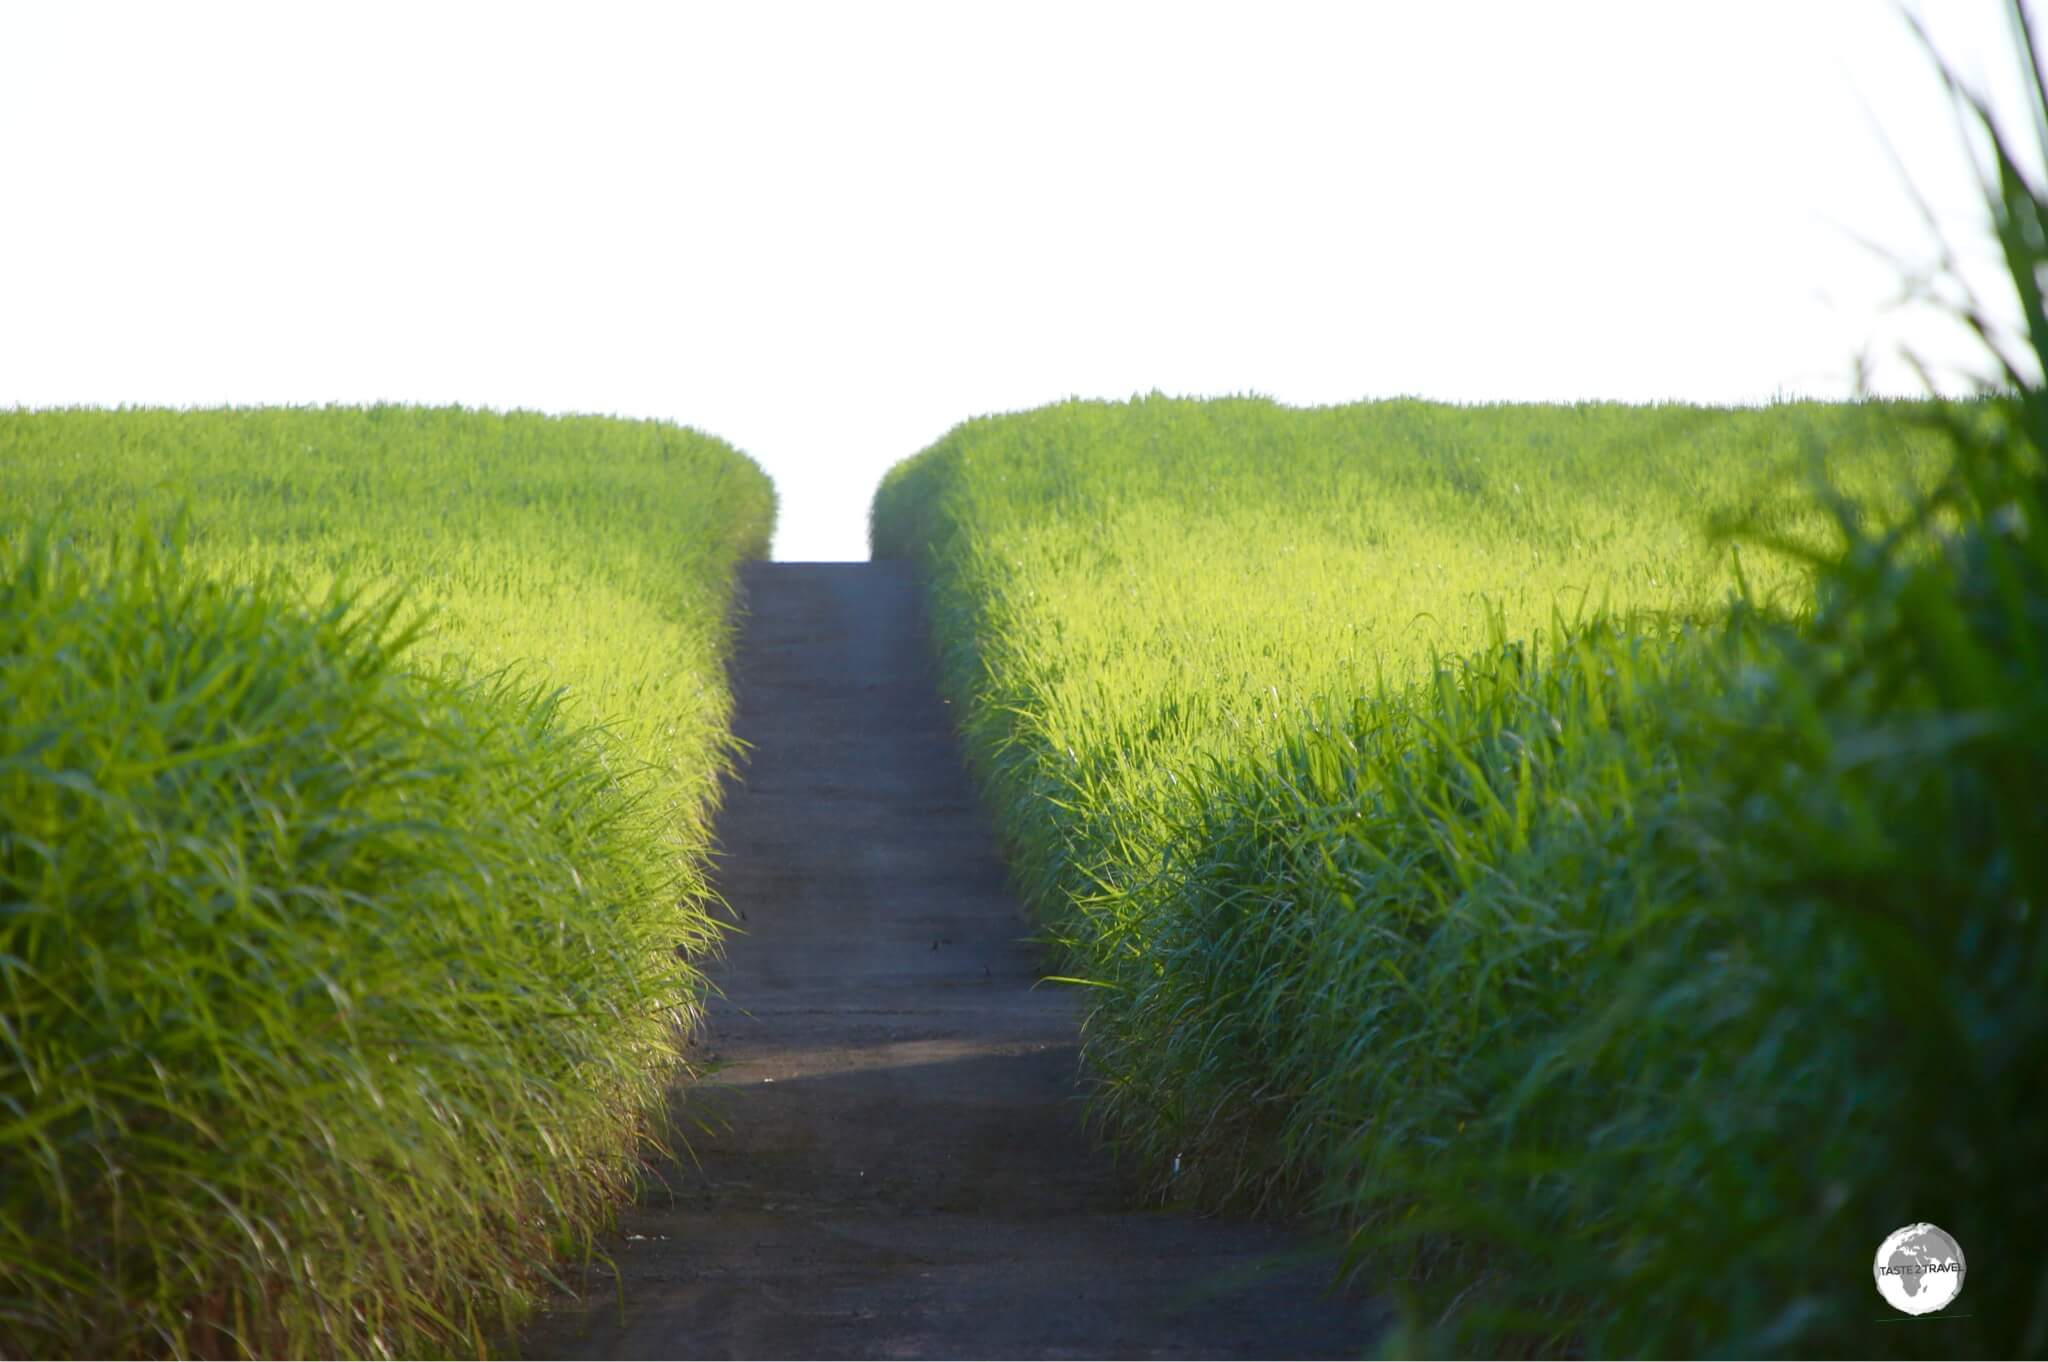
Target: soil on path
898,1166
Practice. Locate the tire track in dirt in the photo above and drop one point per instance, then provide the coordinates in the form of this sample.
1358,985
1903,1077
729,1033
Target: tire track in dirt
898,1167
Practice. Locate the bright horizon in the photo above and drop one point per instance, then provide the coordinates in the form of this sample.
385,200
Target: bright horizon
829,234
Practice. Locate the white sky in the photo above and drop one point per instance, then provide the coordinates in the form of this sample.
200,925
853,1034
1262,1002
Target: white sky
827,233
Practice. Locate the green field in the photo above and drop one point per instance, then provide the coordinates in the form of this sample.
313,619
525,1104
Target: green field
354,804
1616,925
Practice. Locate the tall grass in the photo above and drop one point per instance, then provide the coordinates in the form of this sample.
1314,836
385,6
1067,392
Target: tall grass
343,959
1619,975
1358,756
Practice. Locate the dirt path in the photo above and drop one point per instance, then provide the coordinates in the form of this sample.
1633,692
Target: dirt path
903,1172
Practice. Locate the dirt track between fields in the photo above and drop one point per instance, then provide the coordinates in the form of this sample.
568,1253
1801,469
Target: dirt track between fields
901,1169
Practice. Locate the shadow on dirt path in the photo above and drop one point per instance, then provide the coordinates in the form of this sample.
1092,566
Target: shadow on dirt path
900,1168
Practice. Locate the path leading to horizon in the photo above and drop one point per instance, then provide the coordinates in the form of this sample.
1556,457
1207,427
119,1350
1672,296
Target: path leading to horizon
900,1168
